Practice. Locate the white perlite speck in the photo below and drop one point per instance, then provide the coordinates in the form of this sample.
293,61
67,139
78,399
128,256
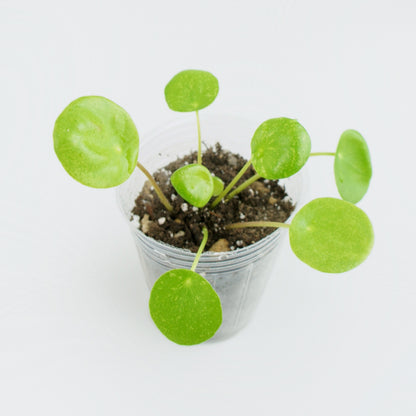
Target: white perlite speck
242,216
173,197
194,209
135,220
161,220
184,207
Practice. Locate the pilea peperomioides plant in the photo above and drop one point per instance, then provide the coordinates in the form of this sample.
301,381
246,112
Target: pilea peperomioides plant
98,145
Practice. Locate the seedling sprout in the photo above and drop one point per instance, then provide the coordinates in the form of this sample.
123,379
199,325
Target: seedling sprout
194,183
218,185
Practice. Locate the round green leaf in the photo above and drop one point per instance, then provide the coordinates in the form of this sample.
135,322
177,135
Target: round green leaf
191,90
185,307
279,148
218,185
96,141
194,183
352,166
331,235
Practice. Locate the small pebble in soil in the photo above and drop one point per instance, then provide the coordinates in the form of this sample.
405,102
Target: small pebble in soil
272,200
220,245
145,223
232,160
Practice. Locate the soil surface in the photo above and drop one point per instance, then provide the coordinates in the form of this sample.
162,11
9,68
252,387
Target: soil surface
264,200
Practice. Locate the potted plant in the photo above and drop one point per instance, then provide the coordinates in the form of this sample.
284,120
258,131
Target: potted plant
98,144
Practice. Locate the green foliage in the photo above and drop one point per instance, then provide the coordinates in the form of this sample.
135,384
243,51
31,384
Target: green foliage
194,183
96,141
218,185
191,90
352,166
331,235
185,307
279,148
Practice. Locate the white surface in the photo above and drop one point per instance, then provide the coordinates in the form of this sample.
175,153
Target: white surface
75,334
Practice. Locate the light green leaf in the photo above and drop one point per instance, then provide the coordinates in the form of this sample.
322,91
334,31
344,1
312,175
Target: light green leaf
96,141
185,307
352,166
280,147
218,185
331,235
194,183
191,90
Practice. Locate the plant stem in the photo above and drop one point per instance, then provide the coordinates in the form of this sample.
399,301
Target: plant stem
201,248
256,224
158,191
322,154
244,185
231,184
199,138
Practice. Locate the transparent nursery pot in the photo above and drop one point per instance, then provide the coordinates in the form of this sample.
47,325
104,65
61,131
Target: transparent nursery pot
239,277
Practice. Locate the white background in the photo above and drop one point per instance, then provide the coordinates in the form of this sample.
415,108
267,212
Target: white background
75,333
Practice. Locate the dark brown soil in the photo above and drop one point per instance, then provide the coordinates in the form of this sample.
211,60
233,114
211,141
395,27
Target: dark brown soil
263,200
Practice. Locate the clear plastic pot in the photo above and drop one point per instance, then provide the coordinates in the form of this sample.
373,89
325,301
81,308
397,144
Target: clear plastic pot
239,277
